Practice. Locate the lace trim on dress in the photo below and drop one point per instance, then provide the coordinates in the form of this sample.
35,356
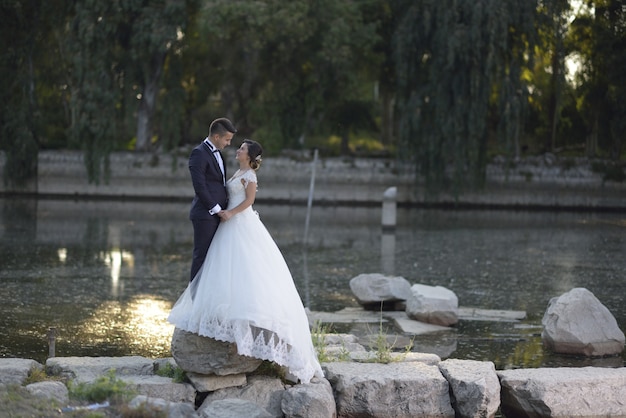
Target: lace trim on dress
255,342
248,177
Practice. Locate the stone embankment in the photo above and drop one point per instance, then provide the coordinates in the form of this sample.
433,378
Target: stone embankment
414,385
536,182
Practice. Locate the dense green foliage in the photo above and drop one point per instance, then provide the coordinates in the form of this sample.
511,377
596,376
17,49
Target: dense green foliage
449,83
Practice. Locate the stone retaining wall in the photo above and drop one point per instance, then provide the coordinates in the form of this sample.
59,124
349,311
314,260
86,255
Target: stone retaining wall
406,388
539,182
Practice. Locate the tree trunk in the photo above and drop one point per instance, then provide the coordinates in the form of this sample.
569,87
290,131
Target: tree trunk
147,104
387,118
554,102
345,143
592,138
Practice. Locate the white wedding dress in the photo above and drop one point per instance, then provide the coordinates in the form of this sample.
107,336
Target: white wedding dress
244,294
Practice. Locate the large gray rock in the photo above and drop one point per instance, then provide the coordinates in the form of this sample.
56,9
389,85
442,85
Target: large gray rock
197,354
88,369
373,289
264,391
399,390
50,389
17,370
162,388
169,409
474,387
433,304
313,399
578,323
234,408
563,392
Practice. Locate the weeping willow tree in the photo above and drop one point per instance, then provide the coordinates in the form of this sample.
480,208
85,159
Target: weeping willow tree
95,91
457,61
28,66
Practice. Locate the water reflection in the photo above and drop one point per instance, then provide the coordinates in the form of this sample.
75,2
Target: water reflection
388,253
140,324
113,260
106,274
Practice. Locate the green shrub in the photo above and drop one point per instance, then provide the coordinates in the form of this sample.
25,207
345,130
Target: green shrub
175,373
107,387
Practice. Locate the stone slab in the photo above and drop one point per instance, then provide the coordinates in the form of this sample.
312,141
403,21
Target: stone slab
162,388
477,314
413,327
88,369
399,390
564,392
352,315
346,316
207,383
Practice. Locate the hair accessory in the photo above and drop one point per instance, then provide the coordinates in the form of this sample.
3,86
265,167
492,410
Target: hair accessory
258,158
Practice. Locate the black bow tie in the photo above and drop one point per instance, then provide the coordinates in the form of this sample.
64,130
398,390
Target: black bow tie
215,150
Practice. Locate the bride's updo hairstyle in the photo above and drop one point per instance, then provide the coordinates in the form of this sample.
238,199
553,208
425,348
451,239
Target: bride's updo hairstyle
254,153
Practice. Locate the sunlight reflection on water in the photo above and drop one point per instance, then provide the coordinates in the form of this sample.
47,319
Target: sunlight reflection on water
140,323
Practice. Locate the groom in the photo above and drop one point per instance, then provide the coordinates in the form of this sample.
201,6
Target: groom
208,175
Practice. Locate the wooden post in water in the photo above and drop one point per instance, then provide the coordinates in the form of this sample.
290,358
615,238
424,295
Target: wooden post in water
52,335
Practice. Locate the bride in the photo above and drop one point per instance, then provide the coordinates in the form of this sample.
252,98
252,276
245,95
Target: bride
244,292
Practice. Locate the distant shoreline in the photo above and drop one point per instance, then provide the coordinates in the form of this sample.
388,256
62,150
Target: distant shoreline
542,183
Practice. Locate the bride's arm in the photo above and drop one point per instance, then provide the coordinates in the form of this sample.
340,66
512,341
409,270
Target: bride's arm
248,201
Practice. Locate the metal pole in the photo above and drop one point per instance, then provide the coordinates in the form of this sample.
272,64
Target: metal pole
310,200
306,231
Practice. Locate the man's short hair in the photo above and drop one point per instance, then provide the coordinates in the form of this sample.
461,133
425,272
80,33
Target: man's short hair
220,126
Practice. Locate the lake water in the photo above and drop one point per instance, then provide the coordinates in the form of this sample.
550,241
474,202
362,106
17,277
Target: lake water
106,273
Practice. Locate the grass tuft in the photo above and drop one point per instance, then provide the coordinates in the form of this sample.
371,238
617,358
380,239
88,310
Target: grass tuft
107,387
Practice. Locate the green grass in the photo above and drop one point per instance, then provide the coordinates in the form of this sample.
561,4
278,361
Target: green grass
318,334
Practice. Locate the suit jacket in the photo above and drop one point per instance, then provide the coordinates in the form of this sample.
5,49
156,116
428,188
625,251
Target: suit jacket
208,182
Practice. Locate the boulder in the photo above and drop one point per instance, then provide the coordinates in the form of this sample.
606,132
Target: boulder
563,392
161,388
167,408
433,304
197,354
88,369
398,390
234,408
314,399
264,391
474,387
50,389
372,290
578,323
16,370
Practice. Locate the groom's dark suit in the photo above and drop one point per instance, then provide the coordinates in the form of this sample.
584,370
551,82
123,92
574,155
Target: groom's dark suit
209,186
